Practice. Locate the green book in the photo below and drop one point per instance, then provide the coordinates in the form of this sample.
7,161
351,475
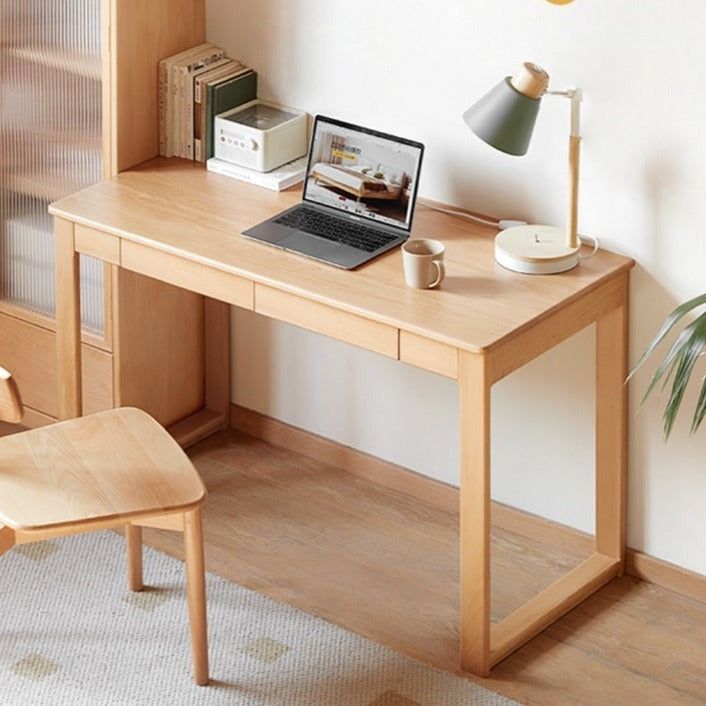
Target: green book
224,96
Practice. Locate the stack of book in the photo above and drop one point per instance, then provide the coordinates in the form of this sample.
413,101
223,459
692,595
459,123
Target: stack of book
195,86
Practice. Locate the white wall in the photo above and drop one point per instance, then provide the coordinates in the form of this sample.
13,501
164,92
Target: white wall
411,68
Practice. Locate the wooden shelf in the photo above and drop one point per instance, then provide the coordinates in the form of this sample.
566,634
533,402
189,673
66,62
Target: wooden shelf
77,63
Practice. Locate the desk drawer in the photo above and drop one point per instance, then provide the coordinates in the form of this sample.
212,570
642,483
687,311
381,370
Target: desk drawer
187,274
429,355
323,319
90,241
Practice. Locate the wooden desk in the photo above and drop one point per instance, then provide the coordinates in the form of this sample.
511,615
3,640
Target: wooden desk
173,221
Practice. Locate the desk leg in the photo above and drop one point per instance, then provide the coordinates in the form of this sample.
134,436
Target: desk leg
68,320
474,386
611,431
217,333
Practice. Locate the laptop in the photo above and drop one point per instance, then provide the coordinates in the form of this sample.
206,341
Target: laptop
358,201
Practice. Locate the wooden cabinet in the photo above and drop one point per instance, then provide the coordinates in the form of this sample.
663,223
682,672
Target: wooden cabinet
100,57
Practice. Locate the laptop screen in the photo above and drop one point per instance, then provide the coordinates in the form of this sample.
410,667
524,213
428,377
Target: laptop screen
363,172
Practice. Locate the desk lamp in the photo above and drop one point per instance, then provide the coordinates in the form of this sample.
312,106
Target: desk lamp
504,118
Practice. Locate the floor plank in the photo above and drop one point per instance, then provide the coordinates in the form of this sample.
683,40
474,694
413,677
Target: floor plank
385,566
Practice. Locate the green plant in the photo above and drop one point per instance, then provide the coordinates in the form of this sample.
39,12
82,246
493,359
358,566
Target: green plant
679,363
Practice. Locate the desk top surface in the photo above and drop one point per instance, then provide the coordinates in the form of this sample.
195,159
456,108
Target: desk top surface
178,207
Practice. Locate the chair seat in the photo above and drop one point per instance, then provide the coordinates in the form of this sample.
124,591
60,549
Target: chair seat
119,464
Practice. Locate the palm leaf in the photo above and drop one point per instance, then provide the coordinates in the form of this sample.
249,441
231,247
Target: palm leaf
690,352
669,323
700,412
678,365
689,346
671,360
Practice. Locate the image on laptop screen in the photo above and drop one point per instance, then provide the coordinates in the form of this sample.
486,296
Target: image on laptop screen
363,172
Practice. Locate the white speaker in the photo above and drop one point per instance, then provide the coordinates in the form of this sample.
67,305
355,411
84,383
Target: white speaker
260,135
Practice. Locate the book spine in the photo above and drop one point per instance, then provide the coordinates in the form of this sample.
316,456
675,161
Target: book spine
188,78
208,122
198,128
189,116
199,119
173,95
181,111
162,75
202,110
169,115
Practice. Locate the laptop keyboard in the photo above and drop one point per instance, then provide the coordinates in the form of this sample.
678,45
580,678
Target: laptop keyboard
335,229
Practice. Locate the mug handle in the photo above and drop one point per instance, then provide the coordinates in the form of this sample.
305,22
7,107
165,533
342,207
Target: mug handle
441,273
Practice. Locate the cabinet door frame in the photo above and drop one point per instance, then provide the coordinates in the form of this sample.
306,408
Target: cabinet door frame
104,340
107,109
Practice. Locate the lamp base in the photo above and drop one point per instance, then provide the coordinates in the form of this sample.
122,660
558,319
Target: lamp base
535,250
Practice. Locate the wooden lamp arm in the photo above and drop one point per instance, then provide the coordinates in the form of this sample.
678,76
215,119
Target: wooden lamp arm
574,158
11,409
573,208
575,96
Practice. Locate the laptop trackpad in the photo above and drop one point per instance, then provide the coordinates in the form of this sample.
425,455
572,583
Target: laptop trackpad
315,247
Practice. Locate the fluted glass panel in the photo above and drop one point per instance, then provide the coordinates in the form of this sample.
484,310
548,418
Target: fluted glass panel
50,141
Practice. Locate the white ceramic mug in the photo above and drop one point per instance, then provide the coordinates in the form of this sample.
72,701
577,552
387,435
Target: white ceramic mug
423,262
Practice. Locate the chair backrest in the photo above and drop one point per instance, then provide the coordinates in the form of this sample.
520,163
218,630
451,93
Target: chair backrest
10,401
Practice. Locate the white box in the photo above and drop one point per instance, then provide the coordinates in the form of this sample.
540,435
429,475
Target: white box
260,135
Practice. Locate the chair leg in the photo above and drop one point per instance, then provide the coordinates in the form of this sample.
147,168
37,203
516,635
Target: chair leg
7,539
133,540
196,589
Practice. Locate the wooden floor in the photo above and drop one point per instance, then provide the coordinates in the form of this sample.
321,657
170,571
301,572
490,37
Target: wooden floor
384,565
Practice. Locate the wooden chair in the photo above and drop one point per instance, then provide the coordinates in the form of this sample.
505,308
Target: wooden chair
113,469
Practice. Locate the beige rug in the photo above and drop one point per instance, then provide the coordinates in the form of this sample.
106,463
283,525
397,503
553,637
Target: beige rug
71,633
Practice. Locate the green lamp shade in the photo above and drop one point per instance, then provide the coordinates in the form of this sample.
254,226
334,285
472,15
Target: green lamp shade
504,118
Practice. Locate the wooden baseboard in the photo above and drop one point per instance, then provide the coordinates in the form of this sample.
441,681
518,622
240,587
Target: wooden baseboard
662,573
348,459
197,426
34,418
445,497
